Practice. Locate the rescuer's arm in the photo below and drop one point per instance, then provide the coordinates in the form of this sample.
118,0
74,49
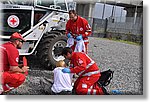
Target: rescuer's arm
87,29
81,65
67,28
16,69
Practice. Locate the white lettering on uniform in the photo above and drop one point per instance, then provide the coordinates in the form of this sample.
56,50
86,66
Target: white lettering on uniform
17,59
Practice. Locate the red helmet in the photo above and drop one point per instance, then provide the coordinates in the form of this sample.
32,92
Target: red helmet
17,36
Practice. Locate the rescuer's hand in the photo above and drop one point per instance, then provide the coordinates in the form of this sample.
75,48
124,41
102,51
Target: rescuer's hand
78,38
25,68
66,70
69,35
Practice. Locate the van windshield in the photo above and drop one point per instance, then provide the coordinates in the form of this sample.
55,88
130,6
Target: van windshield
53,4
19,2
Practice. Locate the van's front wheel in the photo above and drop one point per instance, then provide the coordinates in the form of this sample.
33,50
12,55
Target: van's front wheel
50,49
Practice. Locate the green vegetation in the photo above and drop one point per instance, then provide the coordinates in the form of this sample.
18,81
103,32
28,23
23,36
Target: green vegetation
128,42
123,41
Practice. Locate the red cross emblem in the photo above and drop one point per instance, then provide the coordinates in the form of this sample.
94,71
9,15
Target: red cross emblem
13,21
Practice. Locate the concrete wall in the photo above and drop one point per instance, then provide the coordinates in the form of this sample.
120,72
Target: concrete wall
131,29
85,10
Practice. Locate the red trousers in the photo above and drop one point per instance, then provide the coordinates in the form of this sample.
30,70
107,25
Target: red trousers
88,86
86,47
12,80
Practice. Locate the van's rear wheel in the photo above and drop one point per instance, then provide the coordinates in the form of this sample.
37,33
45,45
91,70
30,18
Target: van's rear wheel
50,49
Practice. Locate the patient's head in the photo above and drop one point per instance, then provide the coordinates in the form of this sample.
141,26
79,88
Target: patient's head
60,63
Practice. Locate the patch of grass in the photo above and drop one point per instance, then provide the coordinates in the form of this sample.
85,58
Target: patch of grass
129,42
123,41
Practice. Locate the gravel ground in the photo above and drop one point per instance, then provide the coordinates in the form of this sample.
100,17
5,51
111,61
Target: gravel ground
124,59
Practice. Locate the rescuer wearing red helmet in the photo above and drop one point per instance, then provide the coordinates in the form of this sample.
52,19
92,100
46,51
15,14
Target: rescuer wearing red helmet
78,28
12,75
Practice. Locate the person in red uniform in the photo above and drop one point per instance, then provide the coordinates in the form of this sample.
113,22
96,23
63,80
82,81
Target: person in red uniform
86,69
78,28
12,75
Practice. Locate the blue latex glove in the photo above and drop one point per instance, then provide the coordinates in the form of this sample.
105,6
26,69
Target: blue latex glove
66,70
79,37
117,92
69,35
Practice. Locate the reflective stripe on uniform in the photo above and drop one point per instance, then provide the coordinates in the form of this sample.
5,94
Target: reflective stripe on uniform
88,30
94,92
91,87
86,40
80,73
91,73
88,57
89,92
89,65
9,86
3,47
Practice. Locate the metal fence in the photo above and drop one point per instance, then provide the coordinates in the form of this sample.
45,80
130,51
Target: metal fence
130,25
128,28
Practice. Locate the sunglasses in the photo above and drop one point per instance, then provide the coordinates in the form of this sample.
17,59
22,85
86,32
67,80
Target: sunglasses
21,41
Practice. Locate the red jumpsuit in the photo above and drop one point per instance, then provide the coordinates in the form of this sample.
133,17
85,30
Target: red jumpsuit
80,26
10,57
88,72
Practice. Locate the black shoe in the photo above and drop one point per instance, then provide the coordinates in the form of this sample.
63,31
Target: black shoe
105,91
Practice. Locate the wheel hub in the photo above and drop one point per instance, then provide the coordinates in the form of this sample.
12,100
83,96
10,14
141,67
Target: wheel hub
57,49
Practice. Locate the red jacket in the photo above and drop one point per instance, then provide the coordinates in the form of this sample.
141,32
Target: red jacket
10,56
80,26
83,65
